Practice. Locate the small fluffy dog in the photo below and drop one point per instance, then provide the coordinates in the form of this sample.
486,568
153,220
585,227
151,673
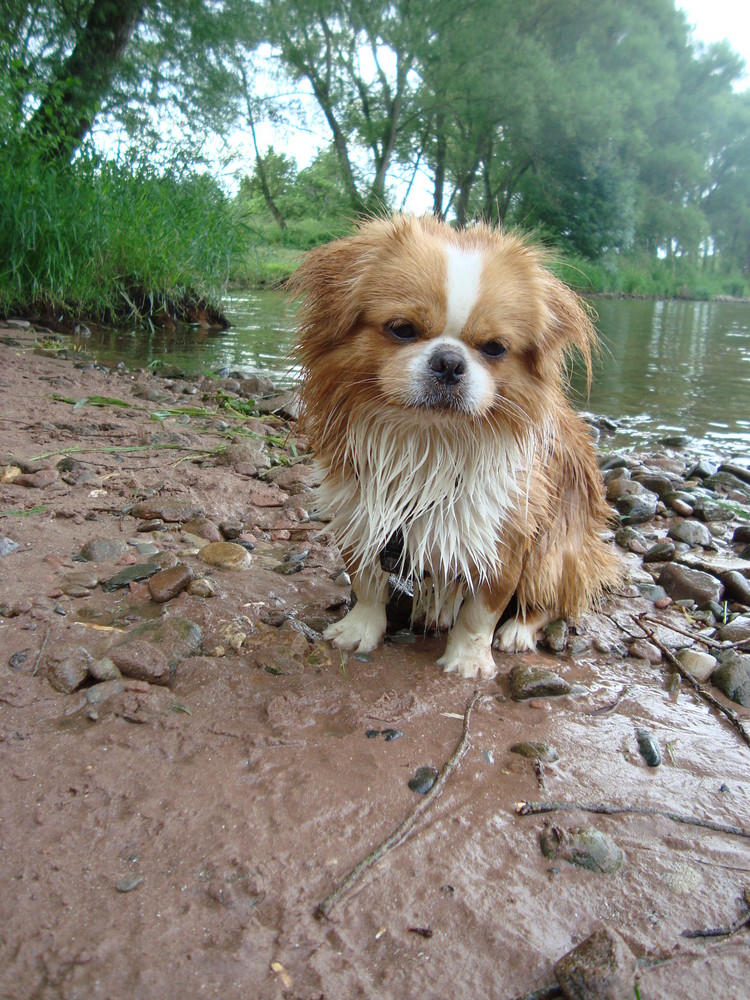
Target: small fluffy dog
433,395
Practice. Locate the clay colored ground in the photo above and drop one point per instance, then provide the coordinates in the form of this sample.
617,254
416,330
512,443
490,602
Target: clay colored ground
173,841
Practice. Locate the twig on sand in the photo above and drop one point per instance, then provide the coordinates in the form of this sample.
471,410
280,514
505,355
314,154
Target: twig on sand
41,652
607,809
736,925
403,830
698,688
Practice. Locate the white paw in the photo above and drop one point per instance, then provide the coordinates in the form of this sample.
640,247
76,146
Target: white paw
362,629
468,654
516,636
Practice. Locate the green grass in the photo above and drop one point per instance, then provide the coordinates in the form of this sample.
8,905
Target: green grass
111,241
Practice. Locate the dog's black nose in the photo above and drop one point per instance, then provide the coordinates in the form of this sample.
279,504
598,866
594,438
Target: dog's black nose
448,365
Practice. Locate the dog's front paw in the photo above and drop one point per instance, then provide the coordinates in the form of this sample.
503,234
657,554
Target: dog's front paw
361,630
516,636
474,663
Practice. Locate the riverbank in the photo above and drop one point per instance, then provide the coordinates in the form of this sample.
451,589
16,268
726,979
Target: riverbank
188,770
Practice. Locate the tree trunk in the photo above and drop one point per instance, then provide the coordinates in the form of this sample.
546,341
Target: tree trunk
440,157
81,83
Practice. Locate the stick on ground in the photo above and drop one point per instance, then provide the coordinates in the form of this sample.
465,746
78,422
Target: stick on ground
404,829
607,809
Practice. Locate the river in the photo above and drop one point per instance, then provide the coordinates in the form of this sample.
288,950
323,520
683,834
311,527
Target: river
666,366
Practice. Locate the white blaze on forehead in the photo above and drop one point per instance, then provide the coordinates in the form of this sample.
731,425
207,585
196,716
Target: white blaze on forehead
463,271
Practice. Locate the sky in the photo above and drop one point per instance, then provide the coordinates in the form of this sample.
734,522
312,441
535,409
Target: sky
714,20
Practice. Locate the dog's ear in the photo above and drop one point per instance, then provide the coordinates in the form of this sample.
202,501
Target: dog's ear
327,280
569,323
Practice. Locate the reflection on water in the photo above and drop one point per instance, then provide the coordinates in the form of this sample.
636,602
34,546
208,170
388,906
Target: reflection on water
665,366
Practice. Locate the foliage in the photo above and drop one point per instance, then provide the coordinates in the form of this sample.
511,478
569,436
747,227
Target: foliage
107,240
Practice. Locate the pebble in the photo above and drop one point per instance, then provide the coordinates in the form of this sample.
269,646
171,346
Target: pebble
36,480
601,967
164,641
527,681
167,510
536,751
225,555
144,549
202,587
156,524
698,664
168,583
130,574
648,748
642,649
231,528
98,693
203,528
588,848
692,532
737,586
67,674
661,552
741,534
556,635
637,509
733,680
129,883
7,545
423,780
681,581
142,660
632,540
735,631
103,549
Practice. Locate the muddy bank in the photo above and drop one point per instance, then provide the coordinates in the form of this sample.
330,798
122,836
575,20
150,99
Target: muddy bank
187,771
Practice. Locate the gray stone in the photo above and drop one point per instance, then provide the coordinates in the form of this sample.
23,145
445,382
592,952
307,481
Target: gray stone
692,532
641,649
661,552
622,487
143,661
98,693
166,640
601,967
7,545
68,672
536,751
733,680
103,670
735,631
102,549
636,509
632,540
698,664
528,681
202,587
741,534
166,509
256,385
556,635
682,582
737,587
589,848
130,574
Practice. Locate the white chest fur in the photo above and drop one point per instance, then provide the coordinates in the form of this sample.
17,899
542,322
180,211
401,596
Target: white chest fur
447,488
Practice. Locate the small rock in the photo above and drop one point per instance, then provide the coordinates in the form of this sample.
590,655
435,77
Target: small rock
702,470
98,693
7,545
698,664
231,528
130,574
103,670
142,660
682,582
168,583
129,883
144,549
165,509
70,672
648,748
203,528
202,587
737,587
692,532
556,635
636,509
601,967
103,549
225,555
741,534
632,540
735,631
36,480
536,751
733,680
423,780
642,649
528,681
588,848
661,552
256,385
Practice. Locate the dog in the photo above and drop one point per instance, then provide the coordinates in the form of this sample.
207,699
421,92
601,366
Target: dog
433,383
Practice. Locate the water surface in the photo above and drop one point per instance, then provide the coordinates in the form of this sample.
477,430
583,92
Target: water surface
666,366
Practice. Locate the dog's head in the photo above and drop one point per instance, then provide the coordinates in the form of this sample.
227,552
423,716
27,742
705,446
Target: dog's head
408,313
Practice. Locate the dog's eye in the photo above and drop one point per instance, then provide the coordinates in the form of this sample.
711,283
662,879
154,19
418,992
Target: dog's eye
401,330
493,349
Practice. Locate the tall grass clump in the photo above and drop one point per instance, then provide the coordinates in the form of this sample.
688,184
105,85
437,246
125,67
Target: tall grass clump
112,240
